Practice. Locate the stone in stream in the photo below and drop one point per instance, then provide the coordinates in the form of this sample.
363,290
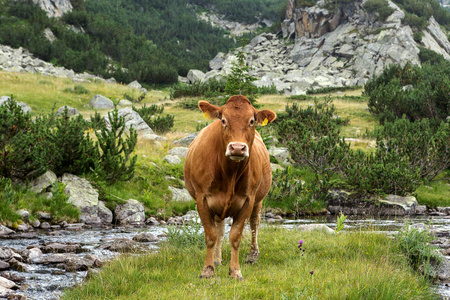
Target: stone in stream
6,283
130,213
145,237
4,265
61,248
18,266
13,276
119,245
5,230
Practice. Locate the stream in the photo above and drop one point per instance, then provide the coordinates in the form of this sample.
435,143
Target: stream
48,282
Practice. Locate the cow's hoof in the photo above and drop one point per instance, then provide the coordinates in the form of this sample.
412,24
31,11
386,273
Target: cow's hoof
208,272
236,274
252,258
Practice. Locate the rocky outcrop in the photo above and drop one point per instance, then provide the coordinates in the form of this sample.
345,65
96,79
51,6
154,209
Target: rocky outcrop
180,195
331,49
55,8
235,28
130,213
25,108
21,60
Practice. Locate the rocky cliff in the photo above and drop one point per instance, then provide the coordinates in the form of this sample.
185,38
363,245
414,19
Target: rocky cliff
341,48
54,8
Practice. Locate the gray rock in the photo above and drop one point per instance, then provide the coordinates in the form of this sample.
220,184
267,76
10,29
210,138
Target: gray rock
316,227
130,213
124,102
61,248
135,85
187,140
44,225
119,245
152,221
4,265
104,213
44,215
6,253
23,213
43,182
71,111
5,293
6,283
172,159
53,258
5,230
132,118
54,8
145,237
217,62
101,102
25,108
444,271
33,253
421,209
18,266
178,151
180,195
195,76
49,35
36,223
280,154
400,205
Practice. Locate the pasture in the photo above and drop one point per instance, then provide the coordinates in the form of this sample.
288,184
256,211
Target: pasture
350,265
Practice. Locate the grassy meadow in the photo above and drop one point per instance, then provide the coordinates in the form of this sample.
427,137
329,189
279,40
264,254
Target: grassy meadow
350,265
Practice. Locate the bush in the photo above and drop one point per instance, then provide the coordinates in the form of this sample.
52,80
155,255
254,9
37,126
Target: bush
210,88
413,91
380,8
162,124
312,137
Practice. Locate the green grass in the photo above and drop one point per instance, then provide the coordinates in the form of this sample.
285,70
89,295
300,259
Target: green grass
435,193
356,265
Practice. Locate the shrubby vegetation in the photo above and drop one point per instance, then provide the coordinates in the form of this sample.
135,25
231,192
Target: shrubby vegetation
158,123
411,91
380,8
418,12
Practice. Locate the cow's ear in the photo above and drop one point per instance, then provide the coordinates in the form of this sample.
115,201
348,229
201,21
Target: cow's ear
265,117
209,111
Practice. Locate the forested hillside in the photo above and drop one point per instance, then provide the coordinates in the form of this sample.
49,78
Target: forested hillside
150,41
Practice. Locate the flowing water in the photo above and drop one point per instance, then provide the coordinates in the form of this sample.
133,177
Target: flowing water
46,282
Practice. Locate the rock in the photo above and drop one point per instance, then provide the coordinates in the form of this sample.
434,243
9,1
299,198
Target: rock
178,151
18,266
36,223
130,213
276,167
180,195
187,140
85,197
444,210
400,205
183,79
124,102
172,159
175,221
53,258
44,215
444,271
43,182
152,221
195,76
217,62
421,209
6,283
44,225
4,265
316,227
12,276
71,111
5,230
25,108
280,154
33,253
135,85
342,201
54,8
61,248
119,245
145,237
48,33
73,264
132,118
5,293
6,253
23,213
101,102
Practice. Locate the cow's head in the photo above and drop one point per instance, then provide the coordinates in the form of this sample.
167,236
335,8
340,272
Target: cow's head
238,118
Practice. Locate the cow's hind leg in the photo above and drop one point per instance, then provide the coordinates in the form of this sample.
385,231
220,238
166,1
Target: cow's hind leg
254,223
220,229
209,226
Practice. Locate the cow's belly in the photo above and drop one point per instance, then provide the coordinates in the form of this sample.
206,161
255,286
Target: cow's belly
218,205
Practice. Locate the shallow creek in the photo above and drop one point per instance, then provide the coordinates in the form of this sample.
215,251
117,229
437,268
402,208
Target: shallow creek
46,282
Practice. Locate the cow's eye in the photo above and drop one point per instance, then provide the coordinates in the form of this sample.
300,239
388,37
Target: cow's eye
252,122
224,122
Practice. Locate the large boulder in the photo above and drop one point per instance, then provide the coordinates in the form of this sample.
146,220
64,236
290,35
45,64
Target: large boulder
25,108
132,118
316,227
55,8
180,195
101,102
71,111
178,151
195,76
43,182
85,197
130,213
187,140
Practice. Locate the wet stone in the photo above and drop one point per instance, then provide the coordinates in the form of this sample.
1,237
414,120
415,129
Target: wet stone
13,276
119,245
61,248
4,265
44,215
45,225
5,230
145,237
18,266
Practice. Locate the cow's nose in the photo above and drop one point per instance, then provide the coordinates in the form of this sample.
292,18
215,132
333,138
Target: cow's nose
237,149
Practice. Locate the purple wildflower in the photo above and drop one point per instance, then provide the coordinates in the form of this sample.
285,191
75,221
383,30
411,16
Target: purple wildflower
312,272
300,243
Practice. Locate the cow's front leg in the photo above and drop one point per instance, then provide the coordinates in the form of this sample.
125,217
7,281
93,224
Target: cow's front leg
209,227
254,223
220,229
236,235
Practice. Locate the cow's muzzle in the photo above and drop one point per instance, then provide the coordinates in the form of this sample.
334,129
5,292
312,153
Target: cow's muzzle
237,151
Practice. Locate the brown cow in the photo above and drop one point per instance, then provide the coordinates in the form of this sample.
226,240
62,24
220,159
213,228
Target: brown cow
227,172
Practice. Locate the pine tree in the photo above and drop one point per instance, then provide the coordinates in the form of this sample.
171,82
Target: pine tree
116,163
